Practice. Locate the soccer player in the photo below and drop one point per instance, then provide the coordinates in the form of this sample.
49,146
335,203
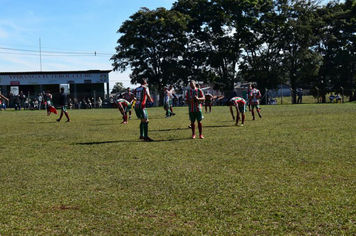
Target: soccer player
167,102
143,96
49,104
254,97
240,105
208,102
124,107
130,97
194,98
248,96
63,103
171,96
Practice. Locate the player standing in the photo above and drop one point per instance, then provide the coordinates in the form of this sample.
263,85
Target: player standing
63,103
254,98
166,102
208,102
194,98
240,105
143,96
171,96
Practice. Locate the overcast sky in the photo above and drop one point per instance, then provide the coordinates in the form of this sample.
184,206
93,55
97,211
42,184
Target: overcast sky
68,33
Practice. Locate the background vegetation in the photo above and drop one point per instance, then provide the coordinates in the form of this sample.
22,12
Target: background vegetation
299,42
290,173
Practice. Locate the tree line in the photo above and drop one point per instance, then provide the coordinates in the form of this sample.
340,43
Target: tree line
221,42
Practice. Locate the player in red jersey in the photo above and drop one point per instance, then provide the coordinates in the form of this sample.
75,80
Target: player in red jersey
254,98
194,98
124,107
240,105
143,96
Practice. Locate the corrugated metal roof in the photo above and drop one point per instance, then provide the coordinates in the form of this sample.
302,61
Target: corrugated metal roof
55,72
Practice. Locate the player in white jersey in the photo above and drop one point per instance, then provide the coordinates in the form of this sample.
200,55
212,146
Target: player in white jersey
254,98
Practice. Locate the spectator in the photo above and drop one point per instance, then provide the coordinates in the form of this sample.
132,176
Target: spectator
300,96
100,103
26,104
40,101
17,103
35,104
70,103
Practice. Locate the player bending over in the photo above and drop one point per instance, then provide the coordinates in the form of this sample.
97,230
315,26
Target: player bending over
124,107
240,105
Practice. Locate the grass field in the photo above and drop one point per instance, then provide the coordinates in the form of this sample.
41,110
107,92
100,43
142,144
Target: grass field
290,173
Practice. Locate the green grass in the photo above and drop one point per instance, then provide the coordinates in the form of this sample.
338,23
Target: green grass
290,173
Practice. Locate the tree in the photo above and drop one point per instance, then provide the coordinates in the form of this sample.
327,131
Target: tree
339,46
152,44
299,36
213,44
118,88
262,60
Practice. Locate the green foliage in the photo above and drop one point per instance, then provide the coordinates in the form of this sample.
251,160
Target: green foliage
118,88
151,43
222,42
289,173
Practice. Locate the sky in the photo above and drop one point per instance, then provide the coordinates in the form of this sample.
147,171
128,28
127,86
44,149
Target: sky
65,35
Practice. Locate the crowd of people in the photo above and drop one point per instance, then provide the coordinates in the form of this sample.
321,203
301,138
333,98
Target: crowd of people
22,102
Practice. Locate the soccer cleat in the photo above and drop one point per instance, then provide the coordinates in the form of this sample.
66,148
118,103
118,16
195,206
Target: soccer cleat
193,136
141,137
147,139
173,114
189,127
259,115
58,120
201,136
242,125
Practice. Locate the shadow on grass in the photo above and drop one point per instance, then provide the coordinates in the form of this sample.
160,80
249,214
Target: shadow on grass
130,141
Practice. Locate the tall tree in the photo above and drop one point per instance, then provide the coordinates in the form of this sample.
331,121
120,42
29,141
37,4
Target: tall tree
262,57
339,46
151,44
299,36
215,36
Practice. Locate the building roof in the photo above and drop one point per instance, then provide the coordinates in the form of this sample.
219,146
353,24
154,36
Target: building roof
56,72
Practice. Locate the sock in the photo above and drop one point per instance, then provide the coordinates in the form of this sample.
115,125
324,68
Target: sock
145,129
243,118
253,114
200,127
60,117
193,128
66,113
141,130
